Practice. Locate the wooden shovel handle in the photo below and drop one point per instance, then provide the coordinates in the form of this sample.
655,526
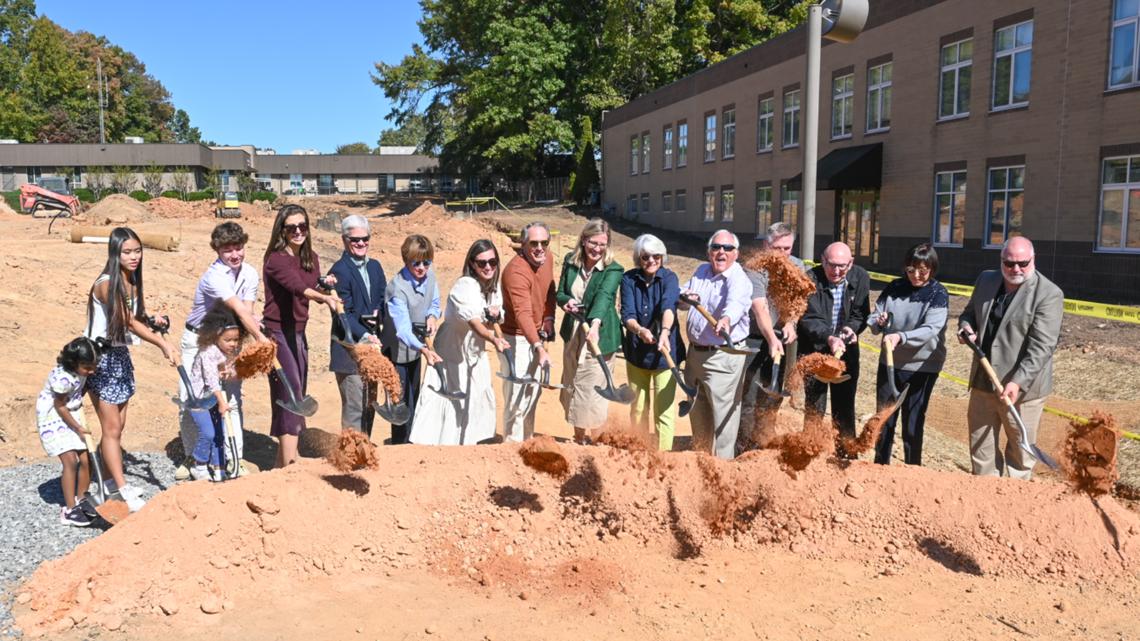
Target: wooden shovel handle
890,355
776,358
669,360
589,341
90,443
994,379
703,311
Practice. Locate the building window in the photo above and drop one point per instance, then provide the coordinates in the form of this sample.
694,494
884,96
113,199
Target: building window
679,201
954,87
710,137
667,148
632,207
709,204
634,154
666,202
645,152
1005,204
842,99
728,119
1013,49
764,125
682,144
949,207
763,209
1120,205
790,206
792,118
1124,64
879,97
727,203
645,204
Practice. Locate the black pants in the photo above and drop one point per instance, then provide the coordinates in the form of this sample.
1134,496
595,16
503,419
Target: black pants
757,375
913,412
842,395
410,383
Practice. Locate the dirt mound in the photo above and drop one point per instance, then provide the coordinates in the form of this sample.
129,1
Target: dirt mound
173,208
1090,454
5,210
489,522
118,209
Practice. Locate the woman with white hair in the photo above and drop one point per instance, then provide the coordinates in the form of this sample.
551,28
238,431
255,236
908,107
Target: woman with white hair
649,312
589,287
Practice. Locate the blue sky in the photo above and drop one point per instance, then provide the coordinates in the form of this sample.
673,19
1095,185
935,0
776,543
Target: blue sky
285,75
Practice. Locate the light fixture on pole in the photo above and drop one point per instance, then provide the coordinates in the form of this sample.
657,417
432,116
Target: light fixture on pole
840,21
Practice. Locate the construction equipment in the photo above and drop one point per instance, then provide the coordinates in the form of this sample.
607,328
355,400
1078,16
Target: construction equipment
48,195
690,392
623,394
228,206
724,335
1023,432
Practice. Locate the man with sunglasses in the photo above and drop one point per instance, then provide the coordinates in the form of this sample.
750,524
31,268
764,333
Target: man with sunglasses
528,321
1014,314
721,286
360,285
836,313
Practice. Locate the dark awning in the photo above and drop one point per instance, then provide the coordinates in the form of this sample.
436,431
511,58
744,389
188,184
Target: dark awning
858,167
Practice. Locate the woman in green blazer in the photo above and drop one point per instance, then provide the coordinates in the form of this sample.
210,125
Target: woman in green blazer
589,286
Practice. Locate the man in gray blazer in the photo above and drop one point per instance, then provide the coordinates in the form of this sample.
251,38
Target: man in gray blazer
1015,315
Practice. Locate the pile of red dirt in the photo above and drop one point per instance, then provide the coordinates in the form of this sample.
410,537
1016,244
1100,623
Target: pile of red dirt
484,519
1090,454
118,209
173,208
5,210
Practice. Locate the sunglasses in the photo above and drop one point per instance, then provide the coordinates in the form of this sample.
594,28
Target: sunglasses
1010,264
722,247
421,263
645,258
538,243
358,240
302,228
490,262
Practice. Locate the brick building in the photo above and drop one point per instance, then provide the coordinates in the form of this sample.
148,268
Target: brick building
955,121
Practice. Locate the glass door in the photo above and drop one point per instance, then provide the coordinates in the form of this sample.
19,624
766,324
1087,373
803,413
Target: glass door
859,224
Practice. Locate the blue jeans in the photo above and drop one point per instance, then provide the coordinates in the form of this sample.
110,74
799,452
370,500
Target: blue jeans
211,437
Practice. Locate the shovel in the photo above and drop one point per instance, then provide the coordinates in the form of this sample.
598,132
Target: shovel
892,386
544,379
394,413
1023,441
110,509
511,374
774,389
724,335
233,466
344,336
842,378
690,392
441,371
623,394
306,407
193,402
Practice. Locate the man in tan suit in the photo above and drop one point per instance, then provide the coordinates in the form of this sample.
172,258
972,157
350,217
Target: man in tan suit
1017,313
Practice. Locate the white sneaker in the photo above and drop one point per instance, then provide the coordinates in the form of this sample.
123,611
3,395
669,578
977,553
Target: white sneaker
199,472
133,497
182,472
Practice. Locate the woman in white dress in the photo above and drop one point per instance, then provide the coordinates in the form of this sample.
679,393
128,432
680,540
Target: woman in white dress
474,303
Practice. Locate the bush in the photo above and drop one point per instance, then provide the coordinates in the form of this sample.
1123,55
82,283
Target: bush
170,193
85,195
199,195
13,200
139,195
263,195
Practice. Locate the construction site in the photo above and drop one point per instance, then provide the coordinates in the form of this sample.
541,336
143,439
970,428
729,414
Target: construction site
551,539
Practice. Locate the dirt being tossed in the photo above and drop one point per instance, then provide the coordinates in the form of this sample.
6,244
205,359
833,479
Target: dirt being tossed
256,358
821,365
1090,454
544,454
869,435
376,368
798,449
354,451
789,288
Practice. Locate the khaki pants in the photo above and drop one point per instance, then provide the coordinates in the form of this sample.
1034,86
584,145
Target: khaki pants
988,417
520,401
715,417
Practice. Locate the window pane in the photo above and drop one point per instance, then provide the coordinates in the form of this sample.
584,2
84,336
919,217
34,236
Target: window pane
1135,169
873,110
1017,178
944,183
1125,9
873,76
1002,70
1021,69
949,54
1016,208
997,219
887,72
964,90
1025,34
997,179
1133,241
966,51
1004,39
960,214
946,106
1115,171
943,224
1111,212
885,117
1123,47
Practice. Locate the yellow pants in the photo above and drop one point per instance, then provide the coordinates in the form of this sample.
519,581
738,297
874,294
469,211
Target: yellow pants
663,388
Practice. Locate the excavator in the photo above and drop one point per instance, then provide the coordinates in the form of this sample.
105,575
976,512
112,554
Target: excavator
49,195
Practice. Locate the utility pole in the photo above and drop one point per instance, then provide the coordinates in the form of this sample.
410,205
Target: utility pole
99,72
840,21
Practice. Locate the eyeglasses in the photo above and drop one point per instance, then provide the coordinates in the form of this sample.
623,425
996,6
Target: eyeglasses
836,266
421,263
538,243
1010,264
358,240
593,244
483,264
299,228
921,271
726,248
645,258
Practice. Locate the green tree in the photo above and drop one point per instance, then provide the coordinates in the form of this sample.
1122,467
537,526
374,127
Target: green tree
152,180
181,130
354,148
585,174
122,179
98,181
412,133
183,180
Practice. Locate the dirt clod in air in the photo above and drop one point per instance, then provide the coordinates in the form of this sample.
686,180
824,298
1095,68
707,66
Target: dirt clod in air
353,452
376,368
722,499
544,454
789,288
258,357
821,365
799,449
1090,454
869,435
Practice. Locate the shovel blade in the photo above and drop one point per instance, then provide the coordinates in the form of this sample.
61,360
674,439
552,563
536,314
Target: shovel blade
684,408
306,407
898,400
623,394
396,414
1043,457
842,378
112,510
455,395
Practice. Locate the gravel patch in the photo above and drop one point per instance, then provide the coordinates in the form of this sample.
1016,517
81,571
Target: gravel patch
30,533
